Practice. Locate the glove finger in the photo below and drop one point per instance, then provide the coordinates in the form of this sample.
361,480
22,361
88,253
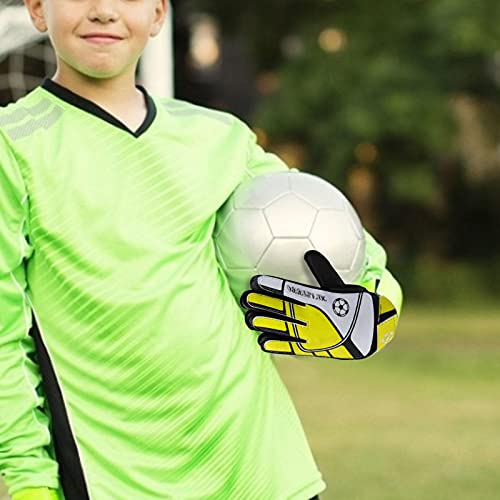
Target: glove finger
258,301
280,344
275,287
325,274
270,322
252,300
276,345
265,283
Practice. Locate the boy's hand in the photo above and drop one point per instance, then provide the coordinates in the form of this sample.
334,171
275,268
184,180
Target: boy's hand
335,321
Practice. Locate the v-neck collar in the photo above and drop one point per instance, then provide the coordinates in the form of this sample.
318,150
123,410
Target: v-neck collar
96,110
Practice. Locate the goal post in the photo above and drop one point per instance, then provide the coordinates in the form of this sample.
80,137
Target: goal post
157,62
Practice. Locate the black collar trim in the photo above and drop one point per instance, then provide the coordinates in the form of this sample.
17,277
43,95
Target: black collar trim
91,107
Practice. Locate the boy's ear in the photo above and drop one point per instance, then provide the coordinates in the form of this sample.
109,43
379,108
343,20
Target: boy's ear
161,9
35,9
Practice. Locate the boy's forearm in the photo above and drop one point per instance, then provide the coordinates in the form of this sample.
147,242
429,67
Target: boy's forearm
376,277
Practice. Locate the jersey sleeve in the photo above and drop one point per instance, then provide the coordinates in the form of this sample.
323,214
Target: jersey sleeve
24,430
36,494
376,277
260,161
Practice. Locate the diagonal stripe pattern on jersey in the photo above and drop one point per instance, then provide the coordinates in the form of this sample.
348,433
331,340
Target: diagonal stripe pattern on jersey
107,234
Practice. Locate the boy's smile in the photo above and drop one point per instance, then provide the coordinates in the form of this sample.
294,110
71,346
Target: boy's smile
102,38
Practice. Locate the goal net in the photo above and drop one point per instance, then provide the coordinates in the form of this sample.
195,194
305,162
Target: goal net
26,56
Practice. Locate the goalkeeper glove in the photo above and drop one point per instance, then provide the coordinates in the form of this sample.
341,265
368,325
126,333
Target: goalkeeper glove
334,321
36,494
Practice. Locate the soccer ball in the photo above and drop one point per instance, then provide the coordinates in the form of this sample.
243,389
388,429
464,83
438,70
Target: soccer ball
270,221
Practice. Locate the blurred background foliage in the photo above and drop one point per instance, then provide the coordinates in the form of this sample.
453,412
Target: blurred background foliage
397,103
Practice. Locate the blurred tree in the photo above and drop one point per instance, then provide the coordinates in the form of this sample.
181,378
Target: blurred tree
373,93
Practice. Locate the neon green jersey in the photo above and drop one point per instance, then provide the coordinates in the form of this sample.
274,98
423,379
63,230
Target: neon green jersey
153,387
156,387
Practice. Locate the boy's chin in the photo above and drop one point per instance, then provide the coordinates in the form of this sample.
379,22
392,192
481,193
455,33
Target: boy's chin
100,74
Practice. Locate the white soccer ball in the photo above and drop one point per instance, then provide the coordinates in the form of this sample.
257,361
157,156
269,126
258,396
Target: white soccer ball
270,221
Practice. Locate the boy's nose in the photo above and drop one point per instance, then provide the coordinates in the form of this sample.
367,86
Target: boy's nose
103,11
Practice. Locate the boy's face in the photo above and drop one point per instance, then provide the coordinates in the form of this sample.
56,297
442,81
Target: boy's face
71,24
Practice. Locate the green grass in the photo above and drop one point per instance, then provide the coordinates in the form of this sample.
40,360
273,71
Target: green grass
418,421
421,420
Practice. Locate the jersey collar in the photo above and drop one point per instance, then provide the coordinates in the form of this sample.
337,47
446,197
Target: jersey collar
94,109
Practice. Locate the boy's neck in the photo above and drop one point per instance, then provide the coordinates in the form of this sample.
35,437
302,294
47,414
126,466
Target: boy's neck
118,95
113,91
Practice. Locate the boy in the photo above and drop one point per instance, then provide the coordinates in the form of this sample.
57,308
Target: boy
110,292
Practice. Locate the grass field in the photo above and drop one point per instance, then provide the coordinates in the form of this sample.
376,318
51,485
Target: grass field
420,421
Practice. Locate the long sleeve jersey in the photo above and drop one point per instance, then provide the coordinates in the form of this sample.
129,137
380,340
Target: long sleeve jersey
110,292
126,368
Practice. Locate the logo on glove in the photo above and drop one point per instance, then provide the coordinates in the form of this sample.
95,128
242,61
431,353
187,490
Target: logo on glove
341,307
303,292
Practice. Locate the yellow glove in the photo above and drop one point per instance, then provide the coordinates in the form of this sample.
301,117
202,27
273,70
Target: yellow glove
334,321
36,494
